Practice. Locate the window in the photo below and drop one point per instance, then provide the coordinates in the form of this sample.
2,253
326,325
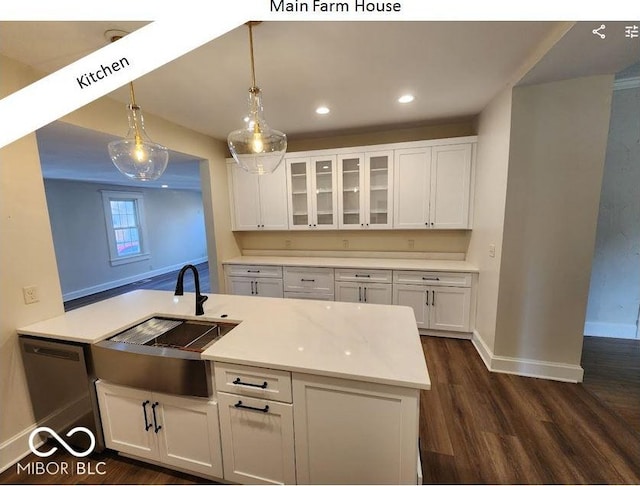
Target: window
124,216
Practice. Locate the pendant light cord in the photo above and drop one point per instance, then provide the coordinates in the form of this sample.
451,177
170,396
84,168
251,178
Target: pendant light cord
253,68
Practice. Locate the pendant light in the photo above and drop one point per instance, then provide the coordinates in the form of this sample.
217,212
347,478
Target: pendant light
256,147
136,156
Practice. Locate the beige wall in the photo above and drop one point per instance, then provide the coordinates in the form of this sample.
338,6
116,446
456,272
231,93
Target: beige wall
375,240
27,255
558,143
27,258
492,163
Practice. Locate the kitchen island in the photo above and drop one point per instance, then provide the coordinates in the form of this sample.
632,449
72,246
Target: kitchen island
303,391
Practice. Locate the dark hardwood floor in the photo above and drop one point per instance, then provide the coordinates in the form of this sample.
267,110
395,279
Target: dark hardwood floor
166,281
476,427
612,373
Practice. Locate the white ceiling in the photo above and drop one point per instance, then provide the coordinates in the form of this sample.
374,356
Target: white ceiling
358,69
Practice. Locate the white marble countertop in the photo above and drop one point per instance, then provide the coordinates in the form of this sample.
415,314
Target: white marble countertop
373,263
366,342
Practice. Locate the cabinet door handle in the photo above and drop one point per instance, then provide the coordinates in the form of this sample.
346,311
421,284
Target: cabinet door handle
359,294
362,276
156,427
252,291
256,284
147,425
431,224
427,297
307,279
365,293
430,278
238,381
433,297
255,409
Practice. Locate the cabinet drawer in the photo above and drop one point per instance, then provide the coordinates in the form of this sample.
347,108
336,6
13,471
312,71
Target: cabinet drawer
432,278
308,279
253,382
363,275
253,271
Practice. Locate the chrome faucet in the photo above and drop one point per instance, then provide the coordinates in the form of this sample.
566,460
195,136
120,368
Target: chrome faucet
200,299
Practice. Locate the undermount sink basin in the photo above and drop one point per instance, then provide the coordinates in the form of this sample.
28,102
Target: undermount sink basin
160,354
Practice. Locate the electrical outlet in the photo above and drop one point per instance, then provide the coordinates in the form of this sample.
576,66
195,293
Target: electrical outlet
345,243
287,243
412,244
492,250
30,295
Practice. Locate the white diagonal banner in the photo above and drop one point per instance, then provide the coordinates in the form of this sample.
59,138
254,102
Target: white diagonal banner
112,66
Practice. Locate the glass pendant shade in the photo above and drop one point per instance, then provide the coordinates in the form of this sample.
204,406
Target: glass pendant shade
256,147
136,156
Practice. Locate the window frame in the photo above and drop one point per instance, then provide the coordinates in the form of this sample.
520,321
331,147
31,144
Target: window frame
138,198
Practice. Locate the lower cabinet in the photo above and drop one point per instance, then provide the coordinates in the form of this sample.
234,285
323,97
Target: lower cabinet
439,308
371,293
181,432
349,432
257,440
264,287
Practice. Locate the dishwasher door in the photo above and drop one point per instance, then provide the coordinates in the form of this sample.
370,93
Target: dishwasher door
62,388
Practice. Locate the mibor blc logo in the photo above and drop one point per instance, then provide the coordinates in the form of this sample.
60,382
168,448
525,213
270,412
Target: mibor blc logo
83,468
62,442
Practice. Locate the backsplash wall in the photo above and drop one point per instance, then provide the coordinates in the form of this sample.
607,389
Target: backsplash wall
409,241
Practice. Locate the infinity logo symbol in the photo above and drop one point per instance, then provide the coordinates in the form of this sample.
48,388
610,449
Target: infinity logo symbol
62,442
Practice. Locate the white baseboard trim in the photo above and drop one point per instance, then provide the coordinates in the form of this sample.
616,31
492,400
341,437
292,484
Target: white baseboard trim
76,294
17,447
548,370
611,329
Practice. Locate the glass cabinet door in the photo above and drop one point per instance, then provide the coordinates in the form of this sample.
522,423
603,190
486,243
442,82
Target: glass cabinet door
324,169
300,216
379,189
351,194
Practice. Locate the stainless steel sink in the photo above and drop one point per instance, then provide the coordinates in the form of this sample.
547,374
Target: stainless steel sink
160,354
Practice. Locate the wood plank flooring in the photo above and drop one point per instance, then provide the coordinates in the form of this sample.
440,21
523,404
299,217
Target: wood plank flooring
476,427
165,281
612,373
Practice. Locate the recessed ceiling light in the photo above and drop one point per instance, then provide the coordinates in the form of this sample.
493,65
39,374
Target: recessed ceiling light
322,110
408,98
164,186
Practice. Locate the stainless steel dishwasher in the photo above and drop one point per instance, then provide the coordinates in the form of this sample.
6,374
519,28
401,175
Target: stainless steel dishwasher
62,387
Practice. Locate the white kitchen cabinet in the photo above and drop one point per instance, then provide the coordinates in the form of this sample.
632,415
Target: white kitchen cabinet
256,424
365,190
436,307
363,285
176,431
256,286
262,280
317,282
312,195
432,187
371,293
258,202
350,432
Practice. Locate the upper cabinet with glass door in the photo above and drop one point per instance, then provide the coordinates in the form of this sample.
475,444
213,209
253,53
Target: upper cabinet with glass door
312,192
365,190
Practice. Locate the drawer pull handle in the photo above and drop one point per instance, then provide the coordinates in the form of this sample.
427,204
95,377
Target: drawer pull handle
431,278
256,409
147,425
253,271
362,276
307,279
237,381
